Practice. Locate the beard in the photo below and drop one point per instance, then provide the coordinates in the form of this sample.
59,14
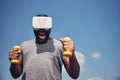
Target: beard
39,39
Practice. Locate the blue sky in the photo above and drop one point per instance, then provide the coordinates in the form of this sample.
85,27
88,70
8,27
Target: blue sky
94,25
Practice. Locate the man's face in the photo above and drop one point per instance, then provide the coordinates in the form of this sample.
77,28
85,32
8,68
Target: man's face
42,35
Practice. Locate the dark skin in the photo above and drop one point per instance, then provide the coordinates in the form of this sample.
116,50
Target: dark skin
16,69
70,63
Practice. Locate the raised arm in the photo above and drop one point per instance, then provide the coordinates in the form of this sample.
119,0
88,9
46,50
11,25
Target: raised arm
16,68
71,64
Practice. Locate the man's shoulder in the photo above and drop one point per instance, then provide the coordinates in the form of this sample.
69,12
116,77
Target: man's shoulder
57,42
29,41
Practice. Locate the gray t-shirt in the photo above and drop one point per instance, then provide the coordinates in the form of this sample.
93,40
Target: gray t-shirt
42,61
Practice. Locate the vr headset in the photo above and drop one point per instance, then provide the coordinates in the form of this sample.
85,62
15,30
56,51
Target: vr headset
41,22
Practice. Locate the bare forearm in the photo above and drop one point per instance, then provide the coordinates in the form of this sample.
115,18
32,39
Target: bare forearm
74,67
15,70
70,62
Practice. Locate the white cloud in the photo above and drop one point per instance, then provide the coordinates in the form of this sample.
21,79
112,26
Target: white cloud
96,55
95,78
81,60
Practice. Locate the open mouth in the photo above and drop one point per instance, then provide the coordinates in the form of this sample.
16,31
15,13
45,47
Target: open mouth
42,35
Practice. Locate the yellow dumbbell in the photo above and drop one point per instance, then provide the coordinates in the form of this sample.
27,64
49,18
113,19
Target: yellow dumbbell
67,53
15,61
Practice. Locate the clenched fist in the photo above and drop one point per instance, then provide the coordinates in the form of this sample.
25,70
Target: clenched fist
15,55
68,46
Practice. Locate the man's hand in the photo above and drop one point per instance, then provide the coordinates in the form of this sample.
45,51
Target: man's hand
15,57
68,45
15,54
70,63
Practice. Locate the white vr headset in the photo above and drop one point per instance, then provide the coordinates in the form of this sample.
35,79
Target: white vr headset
42,22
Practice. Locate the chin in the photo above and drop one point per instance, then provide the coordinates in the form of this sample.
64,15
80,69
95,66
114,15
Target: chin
41,41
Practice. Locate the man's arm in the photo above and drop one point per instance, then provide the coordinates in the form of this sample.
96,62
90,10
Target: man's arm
71,64
16,69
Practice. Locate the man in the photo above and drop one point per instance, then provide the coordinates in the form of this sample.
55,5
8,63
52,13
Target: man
41,58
